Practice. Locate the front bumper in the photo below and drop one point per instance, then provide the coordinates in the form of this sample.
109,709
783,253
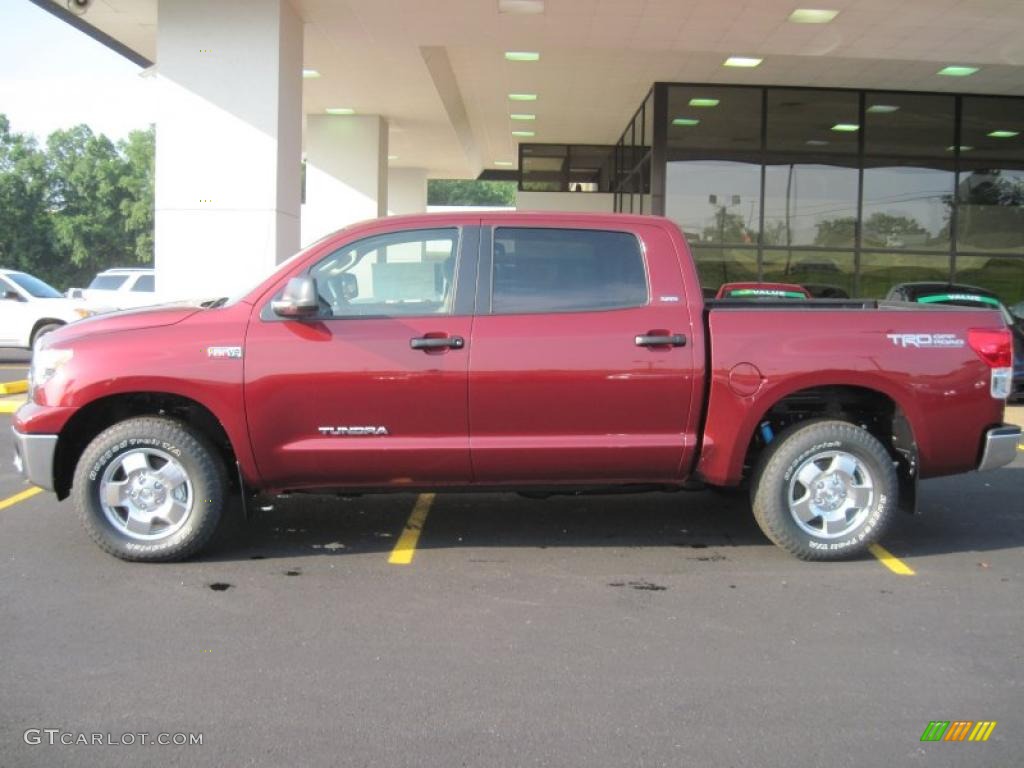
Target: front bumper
33,458
999,447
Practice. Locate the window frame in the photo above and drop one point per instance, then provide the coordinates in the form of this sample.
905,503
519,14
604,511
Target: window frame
463,285
485,287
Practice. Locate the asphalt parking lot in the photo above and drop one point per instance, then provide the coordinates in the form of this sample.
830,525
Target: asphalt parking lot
658,629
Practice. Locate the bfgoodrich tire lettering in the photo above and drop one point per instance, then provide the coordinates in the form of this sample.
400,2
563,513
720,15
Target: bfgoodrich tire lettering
824,490
150,465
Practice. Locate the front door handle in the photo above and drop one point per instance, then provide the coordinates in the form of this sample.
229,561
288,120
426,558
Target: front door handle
669,340
437,342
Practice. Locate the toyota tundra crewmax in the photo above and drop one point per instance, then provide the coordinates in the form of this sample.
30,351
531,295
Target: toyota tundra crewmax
542,353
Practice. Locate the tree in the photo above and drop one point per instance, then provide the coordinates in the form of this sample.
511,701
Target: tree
25,226
139,150
470,192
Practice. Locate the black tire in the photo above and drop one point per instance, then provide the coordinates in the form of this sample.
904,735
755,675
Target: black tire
203,489
42,330
784,507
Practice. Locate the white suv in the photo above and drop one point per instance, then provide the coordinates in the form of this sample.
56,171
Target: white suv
29,308
120,288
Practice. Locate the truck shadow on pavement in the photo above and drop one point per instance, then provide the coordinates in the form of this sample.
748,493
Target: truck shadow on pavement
976,512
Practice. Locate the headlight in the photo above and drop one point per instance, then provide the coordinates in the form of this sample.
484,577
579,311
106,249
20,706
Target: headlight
45,364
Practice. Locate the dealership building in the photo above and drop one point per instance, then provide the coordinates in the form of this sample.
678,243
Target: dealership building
850,146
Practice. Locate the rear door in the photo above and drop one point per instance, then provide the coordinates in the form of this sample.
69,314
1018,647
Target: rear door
372,392
581,361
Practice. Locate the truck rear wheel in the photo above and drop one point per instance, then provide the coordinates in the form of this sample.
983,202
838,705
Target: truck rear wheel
150,489
824,490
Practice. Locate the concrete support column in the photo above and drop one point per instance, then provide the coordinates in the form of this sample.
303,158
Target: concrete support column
228,143
407,190
346,172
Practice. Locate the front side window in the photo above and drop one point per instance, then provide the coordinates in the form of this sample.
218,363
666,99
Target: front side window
400,273
566,270
145,284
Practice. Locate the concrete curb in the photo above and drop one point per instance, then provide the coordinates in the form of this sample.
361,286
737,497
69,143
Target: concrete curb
13,387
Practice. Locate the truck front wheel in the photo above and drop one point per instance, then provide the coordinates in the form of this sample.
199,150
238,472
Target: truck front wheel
150,489
824,490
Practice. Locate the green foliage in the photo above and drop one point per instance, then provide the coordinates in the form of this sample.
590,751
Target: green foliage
80,205
470,192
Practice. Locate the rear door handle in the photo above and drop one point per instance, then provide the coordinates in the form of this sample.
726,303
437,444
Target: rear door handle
671,340
435,342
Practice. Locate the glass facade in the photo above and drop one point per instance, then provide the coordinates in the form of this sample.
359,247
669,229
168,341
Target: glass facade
846,191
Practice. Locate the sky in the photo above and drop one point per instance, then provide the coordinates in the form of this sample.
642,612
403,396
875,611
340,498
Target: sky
52,76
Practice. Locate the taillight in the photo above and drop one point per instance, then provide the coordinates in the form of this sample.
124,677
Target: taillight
995,347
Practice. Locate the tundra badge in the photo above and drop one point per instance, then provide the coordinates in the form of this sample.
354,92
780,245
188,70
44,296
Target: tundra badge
352,431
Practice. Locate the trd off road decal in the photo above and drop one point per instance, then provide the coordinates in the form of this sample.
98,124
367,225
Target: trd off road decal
926,340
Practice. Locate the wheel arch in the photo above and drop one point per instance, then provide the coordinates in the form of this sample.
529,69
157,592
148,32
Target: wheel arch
91,419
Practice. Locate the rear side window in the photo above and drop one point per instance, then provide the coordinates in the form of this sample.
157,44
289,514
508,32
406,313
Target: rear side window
566,270
144,284
107,282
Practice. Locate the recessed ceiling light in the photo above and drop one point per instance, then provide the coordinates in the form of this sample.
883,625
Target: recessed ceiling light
504,163
845,127
742,61
522,7
816,142
524,134
309,74
883,109
812,16
686,121
957,71
1002,134
963,148
522,97
522,56
521,116
340,111
703,102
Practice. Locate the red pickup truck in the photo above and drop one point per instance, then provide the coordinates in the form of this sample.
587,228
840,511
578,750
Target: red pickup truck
544,353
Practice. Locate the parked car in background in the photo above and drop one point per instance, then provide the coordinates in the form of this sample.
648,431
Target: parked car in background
960,295
762,291
120,288
30,308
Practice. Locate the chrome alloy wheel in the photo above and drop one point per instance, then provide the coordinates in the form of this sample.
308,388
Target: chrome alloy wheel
831,494
146,494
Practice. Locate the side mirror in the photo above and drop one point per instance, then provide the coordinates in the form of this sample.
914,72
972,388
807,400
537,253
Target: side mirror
75,293
299,299
11,296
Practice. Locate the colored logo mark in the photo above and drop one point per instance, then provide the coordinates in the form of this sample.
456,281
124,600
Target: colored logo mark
958,730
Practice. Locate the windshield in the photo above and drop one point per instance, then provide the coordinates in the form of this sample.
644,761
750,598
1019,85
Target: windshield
107,282
33,286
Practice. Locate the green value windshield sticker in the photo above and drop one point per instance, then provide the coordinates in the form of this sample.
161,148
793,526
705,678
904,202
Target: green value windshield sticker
739,292
939,298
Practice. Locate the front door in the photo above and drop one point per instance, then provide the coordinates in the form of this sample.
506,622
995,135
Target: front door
373,392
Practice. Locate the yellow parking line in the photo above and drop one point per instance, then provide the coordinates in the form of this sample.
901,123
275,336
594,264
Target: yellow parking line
28,493
14,387
10,405
405,547
890,561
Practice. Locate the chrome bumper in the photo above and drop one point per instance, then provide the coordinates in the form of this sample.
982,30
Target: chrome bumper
1000,447
33,458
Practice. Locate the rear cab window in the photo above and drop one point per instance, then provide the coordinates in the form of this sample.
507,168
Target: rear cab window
543,270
